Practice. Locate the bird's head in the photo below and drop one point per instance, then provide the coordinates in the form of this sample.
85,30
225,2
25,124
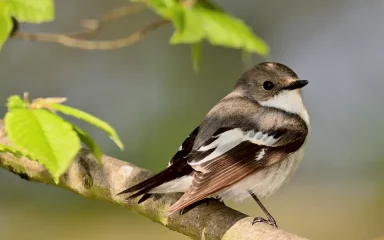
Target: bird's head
267,80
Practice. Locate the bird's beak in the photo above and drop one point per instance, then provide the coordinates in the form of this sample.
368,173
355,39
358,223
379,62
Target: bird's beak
296,84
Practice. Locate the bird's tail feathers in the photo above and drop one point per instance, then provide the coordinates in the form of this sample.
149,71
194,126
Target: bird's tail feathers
168,174
146,185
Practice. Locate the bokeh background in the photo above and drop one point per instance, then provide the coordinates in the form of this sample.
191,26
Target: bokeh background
151,95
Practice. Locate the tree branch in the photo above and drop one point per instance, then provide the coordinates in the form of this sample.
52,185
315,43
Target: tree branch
103,181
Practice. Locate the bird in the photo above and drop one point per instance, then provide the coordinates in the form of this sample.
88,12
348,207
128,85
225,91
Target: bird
247,146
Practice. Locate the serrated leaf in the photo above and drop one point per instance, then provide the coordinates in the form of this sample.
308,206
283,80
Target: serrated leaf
32,11
91,120
5,23
89,142
45,136
196,56
15,102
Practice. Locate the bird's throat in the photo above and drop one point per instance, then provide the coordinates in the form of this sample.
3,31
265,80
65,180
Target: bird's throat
289,101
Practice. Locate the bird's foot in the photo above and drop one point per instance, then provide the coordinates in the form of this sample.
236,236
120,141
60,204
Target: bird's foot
271,222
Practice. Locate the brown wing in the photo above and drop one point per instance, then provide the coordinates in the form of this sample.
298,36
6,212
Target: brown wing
227,170
254,138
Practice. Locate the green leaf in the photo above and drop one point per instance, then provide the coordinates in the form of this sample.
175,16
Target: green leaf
219,29
191,30
89,142
91,120
5,23
205,20
32,11
45,136
196,56
15,102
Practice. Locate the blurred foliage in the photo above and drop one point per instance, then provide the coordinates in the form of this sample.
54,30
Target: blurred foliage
5,23
36,11
198,20
194,21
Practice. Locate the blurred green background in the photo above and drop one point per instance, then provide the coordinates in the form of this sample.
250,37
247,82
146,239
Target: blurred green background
151,95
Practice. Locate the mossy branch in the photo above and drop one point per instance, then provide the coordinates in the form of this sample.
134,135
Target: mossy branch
103,181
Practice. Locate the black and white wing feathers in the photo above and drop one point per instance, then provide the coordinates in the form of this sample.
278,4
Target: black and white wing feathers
235,153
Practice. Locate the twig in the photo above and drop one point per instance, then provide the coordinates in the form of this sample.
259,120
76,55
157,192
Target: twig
91,45
93,26
103,181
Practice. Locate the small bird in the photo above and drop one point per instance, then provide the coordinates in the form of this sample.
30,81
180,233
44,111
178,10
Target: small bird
248,144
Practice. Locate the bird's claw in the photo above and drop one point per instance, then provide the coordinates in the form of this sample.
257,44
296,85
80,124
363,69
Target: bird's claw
271,222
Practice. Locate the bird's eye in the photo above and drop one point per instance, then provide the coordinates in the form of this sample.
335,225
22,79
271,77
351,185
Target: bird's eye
268,85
